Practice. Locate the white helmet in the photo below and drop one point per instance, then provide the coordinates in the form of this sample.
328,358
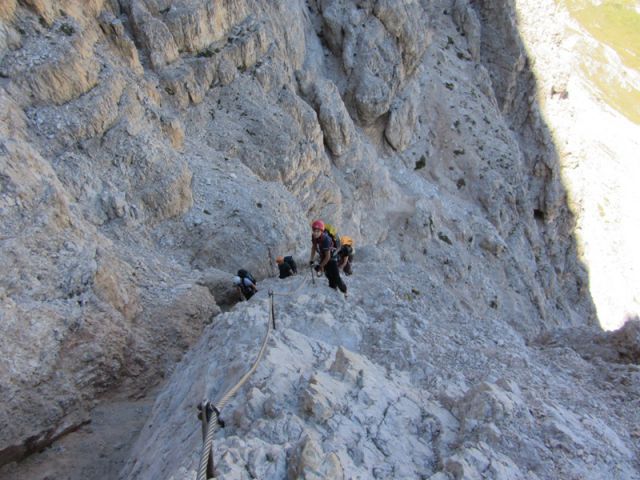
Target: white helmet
236,280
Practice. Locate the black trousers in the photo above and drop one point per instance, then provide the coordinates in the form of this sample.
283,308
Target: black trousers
333,275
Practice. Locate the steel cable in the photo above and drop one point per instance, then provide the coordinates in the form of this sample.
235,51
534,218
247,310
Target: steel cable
205,468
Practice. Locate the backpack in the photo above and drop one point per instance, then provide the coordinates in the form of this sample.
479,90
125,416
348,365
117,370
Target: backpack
242,273
333,233
292,263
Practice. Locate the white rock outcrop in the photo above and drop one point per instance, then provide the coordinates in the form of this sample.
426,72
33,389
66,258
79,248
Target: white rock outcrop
373,388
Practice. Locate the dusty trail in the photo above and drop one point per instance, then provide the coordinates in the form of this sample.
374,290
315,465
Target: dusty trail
96,450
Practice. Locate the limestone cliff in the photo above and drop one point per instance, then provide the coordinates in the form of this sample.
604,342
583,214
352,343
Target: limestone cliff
150,148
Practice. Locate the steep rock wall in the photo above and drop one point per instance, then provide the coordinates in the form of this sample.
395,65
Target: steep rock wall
174,142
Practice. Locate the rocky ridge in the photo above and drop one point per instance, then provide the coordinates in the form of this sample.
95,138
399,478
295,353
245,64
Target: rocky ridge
371,388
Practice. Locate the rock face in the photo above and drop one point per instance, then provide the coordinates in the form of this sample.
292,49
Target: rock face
371,388
592,142
149,149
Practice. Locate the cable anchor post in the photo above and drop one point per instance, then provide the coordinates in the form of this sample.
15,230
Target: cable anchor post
273,311
205,409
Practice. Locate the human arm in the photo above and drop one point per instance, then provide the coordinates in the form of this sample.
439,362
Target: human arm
313,252
326,256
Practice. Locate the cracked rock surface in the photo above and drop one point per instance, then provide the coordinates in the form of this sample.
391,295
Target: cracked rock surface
151,148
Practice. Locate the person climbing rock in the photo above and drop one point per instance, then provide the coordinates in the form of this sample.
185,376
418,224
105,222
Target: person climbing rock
345,255
324,246
246,285
287,266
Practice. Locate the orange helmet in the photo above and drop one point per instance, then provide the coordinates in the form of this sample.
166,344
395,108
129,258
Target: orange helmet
279,260
345,240
318,224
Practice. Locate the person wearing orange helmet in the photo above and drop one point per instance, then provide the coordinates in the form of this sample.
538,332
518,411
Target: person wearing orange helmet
286,266
345,255
324,246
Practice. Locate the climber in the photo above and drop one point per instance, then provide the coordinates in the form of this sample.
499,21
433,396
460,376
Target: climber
345,255
246,285
287,266
322,243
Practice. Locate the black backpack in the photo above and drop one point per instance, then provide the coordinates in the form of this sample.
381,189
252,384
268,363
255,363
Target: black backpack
292,263
242,273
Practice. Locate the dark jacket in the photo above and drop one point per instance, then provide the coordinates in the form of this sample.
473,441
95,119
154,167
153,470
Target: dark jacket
323,243
285,270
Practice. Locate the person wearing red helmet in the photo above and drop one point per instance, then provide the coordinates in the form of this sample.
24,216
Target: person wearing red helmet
323,245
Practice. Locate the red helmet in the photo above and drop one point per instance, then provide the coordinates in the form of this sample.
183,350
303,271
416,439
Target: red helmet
318,224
